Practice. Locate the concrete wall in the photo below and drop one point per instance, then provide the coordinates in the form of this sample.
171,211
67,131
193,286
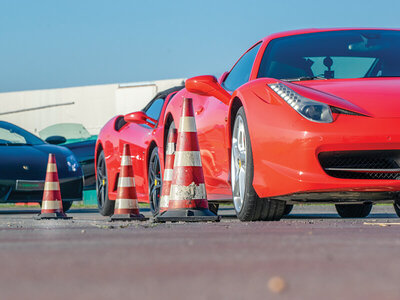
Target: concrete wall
91,106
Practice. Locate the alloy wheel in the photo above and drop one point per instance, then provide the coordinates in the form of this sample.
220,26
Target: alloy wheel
155,181
238,163
101,182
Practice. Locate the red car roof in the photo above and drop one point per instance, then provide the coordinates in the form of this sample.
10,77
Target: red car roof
312,30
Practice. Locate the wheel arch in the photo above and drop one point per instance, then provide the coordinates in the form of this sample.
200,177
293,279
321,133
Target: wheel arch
236,103
235,106
167,123
99,149
152,145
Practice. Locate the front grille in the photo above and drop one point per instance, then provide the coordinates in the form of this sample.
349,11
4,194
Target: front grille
382,164
70,189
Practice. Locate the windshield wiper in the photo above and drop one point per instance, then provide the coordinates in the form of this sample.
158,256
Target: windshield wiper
301,78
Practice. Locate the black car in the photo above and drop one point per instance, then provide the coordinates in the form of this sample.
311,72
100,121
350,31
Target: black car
23,163
76,138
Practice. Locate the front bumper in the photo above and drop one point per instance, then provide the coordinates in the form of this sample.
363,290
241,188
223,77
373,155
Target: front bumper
12,191
285,154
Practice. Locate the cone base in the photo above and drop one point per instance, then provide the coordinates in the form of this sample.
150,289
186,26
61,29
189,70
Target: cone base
128,217
49,216
187,215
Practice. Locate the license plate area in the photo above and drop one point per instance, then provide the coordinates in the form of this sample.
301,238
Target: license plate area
29,185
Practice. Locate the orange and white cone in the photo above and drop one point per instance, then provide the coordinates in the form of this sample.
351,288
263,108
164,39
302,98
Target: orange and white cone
188,197
126,205
168,171
51,203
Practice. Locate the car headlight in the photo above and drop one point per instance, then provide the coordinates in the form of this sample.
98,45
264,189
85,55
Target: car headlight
72,163
309,109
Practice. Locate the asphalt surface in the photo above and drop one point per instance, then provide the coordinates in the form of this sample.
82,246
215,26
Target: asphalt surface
311,254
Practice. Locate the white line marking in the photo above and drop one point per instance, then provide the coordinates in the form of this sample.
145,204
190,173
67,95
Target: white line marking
126,204
51,205
187,159
51,186
168,174
190,192
51,167
126,160
170,149
126,182
187,124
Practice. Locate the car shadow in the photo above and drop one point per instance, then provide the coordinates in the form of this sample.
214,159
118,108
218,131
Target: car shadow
313,216
336,216
19,211
83,210
225,213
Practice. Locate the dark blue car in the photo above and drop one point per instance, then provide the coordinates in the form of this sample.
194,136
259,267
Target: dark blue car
76,138
23,162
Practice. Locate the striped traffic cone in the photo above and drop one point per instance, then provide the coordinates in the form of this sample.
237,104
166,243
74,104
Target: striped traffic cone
188,198
168,171
126,204
51,203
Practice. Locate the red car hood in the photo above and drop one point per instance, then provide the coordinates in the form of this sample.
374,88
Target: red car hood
379,97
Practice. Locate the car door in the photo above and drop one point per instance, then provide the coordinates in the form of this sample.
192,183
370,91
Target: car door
212,120
139,137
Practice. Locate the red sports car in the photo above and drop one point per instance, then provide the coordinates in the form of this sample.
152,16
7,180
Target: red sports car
303,116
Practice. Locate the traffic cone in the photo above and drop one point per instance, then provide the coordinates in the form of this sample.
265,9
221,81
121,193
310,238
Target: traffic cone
126,204
168,171
188,198
51,203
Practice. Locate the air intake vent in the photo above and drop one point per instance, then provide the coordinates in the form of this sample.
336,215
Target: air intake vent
383,164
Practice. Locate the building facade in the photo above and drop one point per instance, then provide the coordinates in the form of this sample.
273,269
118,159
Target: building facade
91,106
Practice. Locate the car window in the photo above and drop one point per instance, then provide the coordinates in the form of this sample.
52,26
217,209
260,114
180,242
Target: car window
333,54
240,73
154,110
73,132
12,135
344,67
8,136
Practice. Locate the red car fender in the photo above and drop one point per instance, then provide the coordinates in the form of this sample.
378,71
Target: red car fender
107,141
174,107
256,88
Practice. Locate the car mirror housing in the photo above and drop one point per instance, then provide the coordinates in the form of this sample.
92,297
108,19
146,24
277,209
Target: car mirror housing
56,139
207,85
223,77
140,117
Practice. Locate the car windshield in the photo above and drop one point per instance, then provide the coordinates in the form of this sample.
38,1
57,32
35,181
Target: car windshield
333,54
72,132
11,135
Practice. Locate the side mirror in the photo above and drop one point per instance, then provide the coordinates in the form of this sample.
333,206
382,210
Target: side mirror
207,85
223,77
140,117
56,139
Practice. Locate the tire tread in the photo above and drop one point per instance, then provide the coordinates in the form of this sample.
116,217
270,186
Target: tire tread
353,210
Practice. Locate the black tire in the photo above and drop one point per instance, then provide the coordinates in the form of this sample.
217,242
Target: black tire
106,206
353,210
396,206
253,207
213,207
67,205
288,209
155,181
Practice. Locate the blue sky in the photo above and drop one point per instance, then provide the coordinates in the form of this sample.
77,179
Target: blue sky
57,43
